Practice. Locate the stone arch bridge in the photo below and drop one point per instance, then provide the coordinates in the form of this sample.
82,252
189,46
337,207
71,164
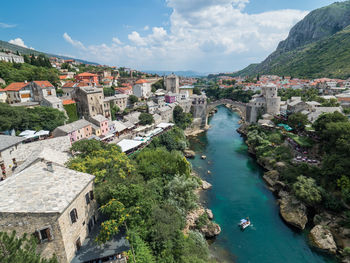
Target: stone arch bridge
236,105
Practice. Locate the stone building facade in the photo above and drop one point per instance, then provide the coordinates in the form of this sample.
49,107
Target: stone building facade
51,202
172,83
267,102
90,102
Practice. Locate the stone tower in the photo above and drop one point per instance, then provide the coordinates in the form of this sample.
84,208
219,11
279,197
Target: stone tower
172,83
273,102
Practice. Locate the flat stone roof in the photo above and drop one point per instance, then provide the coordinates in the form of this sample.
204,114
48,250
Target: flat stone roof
77,125
37,190
7,141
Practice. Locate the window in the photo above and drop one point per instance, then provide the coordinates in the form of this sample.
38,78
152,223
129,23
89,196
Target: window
73,215
91,195
78,244
44,235
87,198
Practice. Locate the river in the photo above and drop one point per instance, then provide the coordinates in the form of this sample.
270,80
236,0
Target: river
239,191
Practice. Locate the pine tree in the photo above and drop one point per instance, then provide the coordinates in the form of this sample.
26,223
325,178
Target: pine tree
20,249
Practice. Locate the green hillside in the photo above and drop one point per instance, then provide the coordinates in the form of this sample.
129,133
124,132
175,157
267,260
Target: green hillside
27,51
318,46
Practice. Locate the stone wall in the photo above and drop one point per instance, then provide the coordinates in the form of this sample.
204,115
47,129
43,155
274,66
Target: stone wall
72,231
29,223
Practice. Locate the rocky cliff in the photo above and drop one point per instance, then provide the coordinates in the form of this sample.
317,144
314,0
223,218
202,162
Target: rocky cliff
317,46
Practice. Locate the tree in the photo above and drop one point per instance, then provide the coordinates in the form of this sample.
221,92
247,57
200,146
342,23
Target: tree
146,118
158,85
182,119
114,110
306,190
38,118
20,249
197,91
297,121
108,92
143,253
324,119
133,99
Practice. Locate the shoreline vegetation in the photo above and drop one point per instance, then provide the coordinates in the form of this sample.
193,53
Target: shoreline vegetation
154,195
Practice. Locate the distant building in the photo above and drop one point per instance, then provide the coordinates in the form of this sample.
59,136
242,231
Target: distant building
18,92
76,131
170,98
90,102
45,93
101,122
87,77
172,83
186,90
142,89
11,58
120,100
3,96
54,204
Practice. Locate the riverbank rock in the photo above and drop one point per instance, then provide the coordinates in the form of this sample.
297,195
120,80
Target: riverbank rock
189,154
203,157
206,185
322,238
211,230
292,210
271,177
209,172
209,213
192,217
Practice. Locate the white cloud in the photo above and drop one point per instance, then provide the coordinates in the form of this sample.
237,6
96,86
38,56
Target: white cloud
116,41
5,25
18,41
75,43
205,35
136,39
146,28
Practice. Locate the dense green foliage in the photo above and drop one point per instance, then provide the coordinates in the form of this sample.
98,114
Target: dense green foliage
174,139
133,99
306,190
146,118
181,118
297,121
12,72
326,186
150,194
38,118
233,93
71,110
197,91
20,249
158,85
108,92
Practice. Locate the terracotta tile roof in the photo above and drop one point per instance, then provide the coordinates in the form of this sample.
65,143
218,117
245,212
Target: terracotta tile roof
67,102
141,81
69,85
16,86
86,74
63,77
43,84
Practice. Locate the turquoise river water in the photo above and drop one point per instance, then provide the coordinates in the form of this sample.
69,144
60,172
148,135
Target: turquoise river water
239,191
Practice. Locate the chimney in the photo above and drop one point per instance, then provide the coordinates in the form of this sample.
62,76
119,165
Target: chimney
49,166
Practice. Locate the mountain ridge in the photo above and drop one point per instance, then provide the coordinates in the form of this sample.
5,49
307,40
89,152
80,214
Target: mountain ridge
317,30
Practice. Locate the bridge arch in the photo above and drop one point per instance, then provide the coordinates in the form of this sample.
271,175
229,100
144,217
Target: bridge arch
236,105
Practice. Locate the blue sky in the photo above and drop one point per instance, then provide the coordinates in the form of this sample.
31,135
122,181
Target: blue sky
201,35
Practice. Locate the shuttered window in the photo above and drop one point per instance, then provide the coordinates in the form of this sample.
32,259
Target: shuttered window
73,215
43,235
91,195
87,198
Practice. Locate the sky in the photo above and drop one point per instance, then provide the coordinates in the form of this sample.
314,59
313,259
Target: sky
200,35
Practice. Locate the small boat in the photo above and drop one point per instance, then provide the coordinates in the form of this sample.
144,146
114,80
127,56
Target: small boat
244,223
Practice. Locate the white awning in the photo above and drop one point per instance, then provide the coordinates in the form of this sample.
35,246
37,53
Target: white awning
165,125
128,145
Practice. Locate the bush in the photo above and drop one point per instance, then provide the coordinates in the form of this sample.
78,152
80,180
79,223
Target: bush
306,190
